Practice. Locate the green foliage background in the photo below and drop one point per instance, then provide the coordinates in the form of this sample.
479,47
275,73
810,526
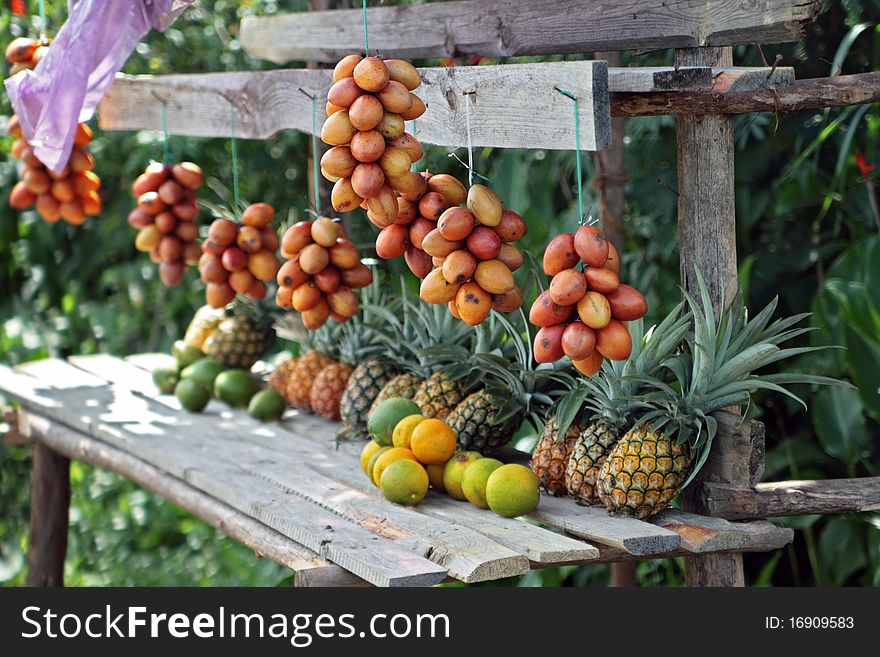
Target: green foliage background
806,232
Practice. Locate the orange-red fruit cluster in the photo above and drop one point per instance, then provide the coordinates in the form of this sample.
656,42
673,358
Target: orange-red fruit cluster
583,314
165,217
71,195
473,257
372,155
239,258
417,216
322,271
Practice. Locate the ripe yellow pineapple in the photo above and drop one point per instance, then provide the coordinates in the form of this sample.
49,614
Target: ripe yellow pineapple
302,377
280,376
326,393
551,456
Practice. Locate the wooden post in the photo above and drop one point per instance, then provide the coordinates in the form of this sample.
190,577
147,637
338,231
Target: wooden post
50,500
610,180
707,239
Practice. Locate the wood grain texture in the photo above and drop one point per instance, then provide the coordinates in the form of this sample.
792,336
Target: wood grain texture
525,27
810,94
263,541
792,498
515,106
50,504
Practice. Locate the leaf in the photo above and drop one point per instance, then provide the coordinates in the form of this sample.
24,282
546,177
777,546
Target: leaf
838,415
841,551
864,369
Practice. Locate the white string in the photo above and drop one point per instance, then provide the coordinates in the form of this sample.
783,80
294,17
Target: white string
470,147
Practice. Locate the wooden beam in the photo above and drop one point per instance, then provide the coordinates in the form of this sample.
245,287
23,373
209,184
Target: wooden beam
50,503
265,542
515,106
505,28
792,498
810,94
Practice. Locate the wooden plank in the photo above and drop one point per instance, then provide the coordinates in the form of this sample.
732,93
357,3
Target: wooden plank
264,541
746,78
50,503
332,576
514,106
792,498
136,427
816,93
644,79
507,28
595,524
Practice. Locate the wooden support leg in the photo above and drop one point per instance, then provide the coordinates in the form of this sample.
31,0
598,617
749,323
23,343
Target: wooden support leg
707,239
328,576
50,501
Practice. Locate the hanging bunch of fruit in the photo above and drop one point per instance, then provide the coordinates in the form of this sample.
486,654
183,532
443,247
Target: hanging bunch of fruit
322,271
239,257
417,216
372,155
474,258
583,313
165,217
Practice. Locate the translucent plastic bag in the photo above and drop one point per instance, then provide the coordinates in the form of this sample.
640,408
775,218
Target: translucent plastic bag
68,83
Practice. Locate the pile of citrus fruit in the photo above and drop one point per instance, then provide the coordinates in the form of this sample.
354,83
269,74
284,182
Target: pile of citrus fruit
409,453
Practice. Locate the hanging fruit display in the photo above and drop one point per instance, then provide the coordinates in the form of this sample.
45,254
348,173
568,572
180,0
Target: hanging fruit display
372,155
239,257
165,217
473,255
416,218
322,271
583,313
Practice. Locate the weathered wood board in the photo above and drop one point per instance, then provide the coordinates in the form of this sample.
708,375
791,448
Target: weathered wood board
513,106
504,28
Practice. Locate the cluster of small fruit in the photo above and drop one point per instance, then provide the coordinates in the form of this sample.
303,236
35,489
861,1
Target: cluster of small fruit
417,216
195,378
409,452
323,268
596,298
165,217
239,258
474,258
372,155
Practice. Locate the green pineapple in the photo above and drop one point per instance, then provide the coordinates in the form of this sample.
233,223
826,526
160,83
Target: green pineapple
605,403
242,336
673,433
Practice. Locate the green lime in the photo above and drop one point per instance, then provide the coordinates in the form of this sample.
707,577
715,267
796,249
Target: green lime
474,478
204,370
404,482
385,417
513,490
372,462
235,387
454,469
165,378
267,405
185,354
192,395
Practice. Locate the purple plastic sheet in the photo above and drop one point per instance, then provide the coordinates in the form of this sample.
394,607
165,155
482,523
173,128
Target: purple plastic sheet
68,83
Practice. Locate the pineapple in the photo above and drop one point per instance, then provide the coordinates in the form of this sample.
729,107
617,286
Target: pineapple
302,377
673,435
401,385
239,339
551,455
605,402
365,383
280,376
438,395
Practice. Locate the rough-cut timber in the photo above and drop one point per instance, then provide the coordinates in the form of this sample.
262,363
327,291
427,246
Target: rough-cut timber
514,106
810,94
50,502
525,27
792,498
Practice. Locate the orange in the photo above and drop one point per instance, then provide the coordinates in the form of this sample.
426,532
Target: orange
387,458
433,442
403,430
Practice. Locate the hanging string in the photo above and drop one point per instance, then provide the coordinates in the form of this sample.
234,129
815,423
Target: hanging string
366,37
470,145
234,149
577,143
166,150
42,5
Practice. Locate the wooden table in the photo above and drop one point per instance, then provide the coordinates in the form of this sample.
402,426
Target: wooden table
287,491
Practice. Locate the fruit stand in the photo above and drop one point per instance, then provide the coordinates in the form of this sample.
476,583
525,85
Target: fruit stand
290,491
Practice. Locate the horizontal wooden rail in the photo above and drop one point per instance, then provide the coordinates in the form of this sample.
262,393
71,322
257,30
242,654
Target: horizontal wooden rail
792,498
514,106
504,28
809,94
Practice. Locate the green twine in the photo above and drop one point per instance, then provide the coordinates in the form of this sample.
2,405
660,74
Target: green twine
316,168
234,149
42,5
166,150
366,38
577,140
